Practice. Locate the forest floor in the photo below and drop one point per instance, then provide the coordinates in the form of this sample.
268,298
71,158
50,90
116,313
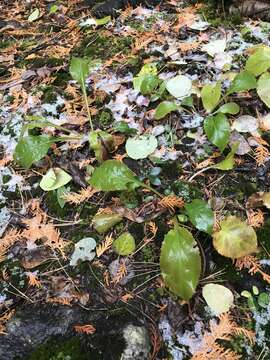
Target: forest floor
134,176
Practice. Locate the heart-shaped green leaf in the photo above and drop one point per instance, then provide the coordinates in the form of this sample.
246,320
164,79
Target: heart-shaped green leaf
79,70
180,262
140,147
164,109
113,175
229,108
201,215
31,149
180,86
217,129
124,245
244,81
54,179
211,94
235,238
263,88
259,62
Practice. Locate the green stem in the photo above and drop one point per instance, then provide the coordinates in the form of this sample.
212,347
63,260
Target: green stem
151,189
88,110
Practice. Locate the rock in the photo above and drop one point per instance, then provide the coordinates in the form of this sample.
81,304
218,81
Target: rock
137,343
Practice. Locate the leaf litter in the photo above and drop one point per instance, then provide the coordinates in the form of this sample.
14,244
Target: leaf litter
83,130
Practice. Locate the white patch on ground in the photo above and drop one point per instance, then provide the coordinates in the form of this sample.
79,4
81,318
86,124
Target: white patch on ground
137,343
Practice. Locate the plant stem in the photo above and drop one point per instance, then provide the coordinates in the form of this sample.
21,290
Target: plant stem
87,109
151,189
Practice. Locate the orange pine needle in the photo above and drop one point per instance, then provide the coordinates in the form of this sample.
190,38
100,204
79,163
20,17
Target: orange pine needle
85,329
105,246
171,202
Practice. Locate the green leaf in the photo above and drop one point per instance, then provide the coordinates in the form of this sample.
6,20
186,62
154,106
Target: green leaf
180,262
228,162
103,222
229,108
217,129
60,192
124,245
141,147
180,86
259,62
147,69
84,251
123,128
164,109
79,70
264,300
31,149
263,88
211,94
113,175
244,81
54,179
201,215
149,84
218,298
103,21
34,15
53,9
235,238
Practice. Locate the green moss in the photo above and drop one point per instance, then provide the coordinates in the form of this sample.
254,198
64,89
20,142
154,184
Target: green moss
104,47
186,190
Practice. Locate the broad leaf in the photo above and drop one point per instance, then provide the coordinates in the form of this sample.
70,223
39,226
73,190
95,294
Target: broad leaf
164,109
149,84
79,70
180,262
235,238
103,222
217,129
214,47
228,162
263,88
141,147
113,175
31,149
201,215
102,143
259,62
54,179
229,108
34,15
218,298
124,245
147,69
211,94
84,251
244,81
245,123
180,86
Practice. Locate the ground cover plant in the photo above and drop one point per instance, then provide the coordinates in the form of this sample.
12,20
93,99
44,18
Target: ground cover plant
134,179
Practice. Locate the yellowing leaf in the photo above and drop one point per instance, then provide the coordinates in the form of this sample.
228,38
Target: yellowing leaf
218,298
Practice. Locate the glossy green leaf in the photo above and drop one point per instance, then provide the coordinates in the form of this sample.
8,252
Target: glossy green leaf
264,300
84,251
228,162
147,69
113,175
263,88
149,84
229,108
31,149
244,81
235,238
124,245
180,262
140,147
217,129
180,86
164,109
79,70
54,179
259,62
218,298
201,215
104,222
211,94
